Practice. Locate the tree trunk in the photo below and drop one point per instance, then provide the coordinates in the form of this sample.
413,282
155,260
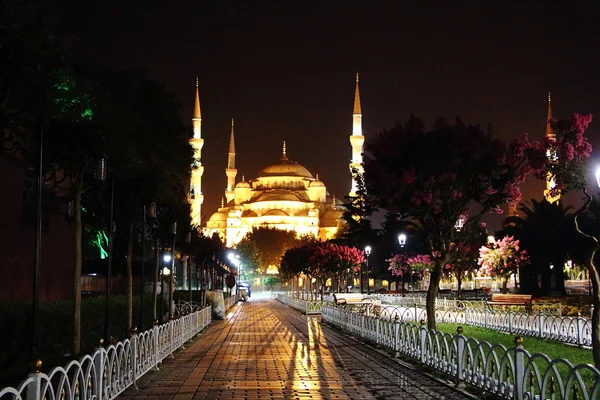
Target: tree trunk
593,246
459,285
129,290
77,277
432,292
322,289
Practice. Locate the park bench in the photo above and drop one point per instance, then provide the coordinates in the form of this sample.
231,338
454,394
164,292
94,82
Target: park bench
355,300
511,300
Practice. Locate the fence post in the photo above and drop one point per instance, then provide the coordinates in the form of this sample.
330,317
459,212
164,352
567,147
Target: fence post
580,322
134,354
171,336
542,321
423,337
485,320
511,317
156,343
99,370
35,386
460,354
519,369
416,315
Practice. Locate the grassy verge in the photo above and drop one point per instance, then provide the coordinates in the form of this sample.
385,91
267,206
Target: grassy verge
550,348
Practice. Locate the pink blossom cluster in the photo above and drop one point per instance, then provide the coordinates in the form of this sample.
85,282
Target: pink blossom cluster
329,258
502,258
401,264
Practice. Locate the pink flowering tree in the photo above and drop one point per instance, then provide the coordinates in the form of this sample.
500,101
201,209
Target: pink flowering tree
501,259
434,176
330,260
464,255
571,149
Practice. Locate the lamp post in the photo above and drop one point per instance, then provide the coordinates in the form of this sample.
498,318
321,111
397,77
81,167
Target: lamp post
101,175
154,288
172,272
166,272
367,253
37,251
163,272
402,242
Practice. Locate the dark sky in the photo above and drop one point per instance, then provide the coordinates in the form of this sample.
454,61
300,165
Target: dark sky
285,69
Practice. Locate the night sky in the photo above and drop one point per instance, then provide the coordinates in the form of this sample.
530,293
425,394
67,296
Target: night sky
285,69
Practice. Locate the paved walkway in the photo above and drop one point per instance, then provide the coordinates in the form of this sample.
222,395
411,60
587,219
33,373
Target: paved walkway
265,350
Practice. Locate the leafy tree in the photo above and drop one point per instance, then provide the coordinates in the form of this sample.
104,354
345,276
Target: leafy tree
267,245
546,231
572,148
502,259
435,176
330,260
270,281
358,230
463,259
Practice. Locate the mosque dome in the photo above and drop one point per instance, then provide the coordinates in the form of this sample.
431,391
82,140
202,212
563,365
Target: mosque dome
285,167
317,183
218,216
242,184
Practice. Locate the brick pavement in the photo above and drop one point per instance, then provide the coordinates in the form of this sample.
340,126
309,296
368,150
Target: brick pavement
265,350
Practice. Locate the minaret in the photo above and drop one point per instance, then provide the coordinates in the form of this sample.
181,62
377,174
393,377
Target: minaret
195,196
356,139
231,172
550,137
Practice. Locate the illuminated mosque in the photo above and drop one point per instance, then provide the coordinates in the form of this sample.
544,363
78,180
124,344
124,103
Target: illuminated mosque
284,195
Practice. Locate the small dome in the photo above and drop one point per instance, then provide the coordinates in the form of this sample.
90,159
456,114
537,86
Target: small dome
243,184
316,183
218,216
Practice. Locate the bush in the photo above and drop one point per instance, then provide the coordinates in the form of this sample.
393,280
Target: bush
55,332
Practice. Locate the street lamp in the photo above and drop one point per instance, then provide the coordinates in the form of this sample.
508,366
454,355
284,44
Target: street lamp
402,242
367,253
402,239
460,222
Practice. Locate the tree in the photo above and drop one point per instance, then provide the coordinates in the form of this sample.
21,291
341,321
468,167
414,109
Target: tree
269,246
463,258
435,176
330,260
545,230
571,149
148,154
502,259
270,281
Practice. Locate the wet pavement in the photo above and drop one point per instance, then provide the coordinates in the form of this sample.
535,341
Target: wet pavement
265,350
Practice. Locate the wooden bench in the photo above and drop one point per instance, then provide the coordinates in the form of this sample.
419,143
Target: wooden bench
511,300
350,298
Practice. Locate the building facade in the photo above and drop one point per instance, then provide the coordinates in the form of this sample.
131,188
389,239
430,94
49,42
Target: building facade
284,195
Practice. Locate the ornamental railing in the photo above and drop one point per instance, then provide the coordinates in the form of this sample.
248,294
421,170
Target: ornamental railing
511,373
571,330
107,372
547,308
307,307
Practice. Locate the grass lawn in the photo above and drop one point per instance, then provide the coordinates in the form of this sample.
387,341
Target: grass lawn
550,348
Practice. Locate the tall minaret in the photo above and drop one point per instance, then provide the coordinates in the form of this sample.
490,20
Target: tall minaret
231,172
356,139
195,196
550,137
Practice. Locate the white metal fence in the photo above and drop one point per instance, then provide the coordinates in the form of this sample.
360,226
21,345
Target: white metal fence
572,330
107,372
305,306
511,373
